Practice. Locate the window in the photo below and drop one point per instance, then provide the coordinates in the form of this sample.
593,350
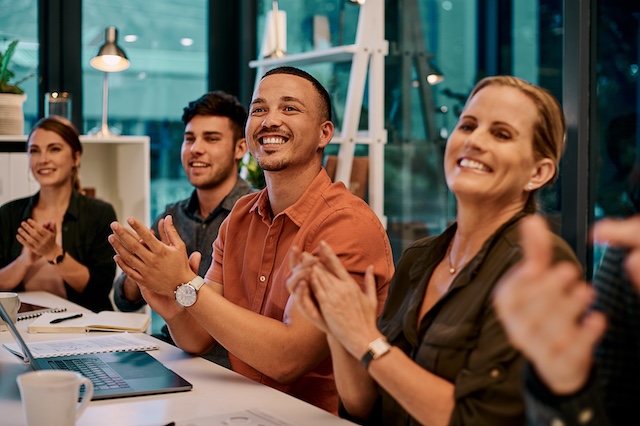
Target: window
166,42
19,21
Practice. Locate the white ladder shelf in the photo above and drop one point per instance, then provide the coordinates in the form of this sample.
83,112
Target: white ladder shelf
367,57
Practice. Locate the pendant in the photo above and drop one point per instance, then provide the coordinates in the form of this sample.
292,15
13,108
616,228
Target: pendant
452,270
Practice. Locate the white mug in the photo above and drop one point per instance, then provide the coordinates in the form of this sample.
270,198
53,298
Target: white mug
11,303
50,397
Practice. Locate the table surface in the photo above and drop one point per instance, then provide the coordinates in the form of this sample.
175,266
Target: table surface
216,390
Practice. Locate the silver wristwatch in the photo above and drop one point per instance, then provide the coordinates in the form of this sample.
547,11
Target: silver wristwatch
187,294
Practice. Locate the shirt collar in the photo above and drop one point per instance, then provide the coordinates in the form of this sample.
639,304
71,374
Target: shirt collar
299,211
72,209
191,206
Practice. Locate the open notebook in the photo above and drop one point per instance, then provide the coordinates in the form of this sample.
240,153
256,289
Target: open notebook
114,374
89,321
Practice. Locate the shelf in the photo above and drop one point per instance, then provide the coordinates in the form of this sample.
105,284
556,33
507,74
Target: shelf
362,137
116,168
331,54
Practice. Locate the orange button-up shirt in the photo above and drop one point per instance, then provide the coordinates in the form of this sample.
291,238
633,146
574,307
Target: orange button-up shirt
251,261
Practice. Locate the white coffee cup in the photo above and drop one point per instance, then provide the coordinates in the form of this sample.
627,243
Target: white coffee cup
11,303
50,397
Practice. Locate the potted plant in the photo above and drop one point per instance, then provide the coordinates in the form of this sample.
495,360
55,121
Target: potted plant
11,95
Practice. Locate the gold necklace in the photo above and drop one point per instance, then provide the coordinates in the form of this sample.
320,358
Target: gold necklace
452,269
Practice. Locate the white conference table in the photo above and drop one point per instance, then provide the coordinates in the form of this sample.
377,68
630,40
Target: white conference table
216,390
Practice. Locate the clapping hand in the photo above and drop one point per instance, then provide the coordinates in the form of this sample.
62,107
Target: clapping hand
544,309
623,233
40,240
158,265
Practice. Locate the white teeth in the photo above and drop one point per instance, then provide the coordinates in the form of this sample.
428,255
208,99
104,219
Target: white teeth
45,171
273,140
472,164
198,164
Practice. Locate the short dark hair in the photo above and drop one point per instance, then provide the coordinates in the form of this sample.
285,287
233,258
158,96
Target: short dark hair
325,105
221,104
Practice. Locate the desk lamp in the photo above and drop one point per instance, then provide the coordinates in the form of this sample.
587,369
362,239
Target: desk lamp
110,58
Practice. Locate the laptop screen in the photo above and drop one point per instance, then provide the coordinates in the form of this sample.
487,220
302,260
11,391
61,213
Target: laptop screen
26,353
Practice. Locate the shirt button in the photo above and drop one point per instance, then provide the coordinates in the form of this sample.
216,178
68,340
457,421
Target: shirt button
557,422
262,278
585,416
495,373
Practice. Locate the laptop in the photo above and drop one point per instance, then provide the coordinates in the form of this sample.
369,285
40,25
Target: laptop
114,374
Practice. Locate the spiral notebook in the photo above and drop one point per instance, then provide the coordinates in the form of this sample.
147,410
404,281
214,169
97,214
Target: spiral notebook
31,310
122,342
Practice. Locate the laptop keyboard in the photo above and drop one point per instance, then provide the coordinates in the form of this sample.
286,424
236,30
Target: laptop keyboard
95,370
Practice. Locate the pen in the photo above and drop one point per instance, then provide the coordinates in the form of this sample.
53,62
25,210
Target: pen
57,320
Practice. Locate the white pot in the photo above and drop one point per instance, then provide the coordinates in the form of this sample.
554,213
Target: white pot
11,115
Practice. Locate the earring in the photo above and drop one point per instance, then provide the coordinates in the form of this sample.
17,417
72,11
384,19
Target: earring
530,186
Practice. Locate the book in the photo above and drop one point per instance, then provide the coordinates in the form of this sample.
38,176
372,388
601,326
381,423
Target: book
30,310
102,321
88,345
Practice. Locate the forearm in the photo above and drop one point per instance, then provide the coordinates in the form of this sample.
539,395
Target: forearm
357,390
283,351
13,274
74,273
427,397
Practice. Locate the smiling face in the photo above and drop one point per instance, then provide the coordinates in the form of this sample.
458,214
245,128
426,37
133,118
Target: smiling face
210,152
285,129
489,156
51,159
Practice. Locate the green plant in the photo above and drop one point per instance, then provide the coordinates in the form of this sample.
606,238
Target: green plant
255,175
6,75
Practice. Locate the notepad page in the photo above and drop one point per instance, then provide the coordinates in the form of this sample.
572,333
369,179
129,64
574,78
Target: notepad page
120,342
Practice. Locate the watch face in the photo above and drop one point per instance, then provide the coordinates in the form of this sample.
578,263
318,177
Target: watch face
379,347
186,295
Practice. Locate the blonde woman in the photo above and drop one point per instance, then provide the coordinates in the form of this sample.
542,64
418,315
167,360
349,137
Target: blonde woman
56,240
438,355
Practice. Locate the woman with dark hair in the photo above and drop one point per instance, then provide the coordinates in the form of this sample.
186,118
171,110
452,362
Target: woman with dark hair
56,240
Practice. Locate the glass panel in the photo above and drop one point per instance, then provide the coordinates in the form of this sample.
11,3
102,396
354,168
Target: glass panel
166,42
424,35
19,21
617,121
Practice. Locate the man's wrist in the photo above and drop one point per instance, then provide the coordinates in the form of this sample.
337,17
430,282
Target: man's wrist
130,290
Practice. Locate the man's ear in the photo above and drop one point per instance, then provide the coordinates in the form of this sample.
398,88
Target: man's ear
326,133
241,148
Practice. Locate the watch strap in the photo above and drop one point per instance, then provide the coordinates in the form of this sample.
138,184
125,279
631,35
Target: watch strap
376,349
197,282
58,259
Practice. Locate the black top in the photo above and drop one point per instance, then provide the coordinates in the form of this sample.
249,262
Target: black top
85,228
460,338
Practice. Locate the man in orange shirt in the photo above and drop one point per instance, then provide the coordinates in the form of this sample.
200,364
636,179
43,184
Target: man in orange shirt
243,303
